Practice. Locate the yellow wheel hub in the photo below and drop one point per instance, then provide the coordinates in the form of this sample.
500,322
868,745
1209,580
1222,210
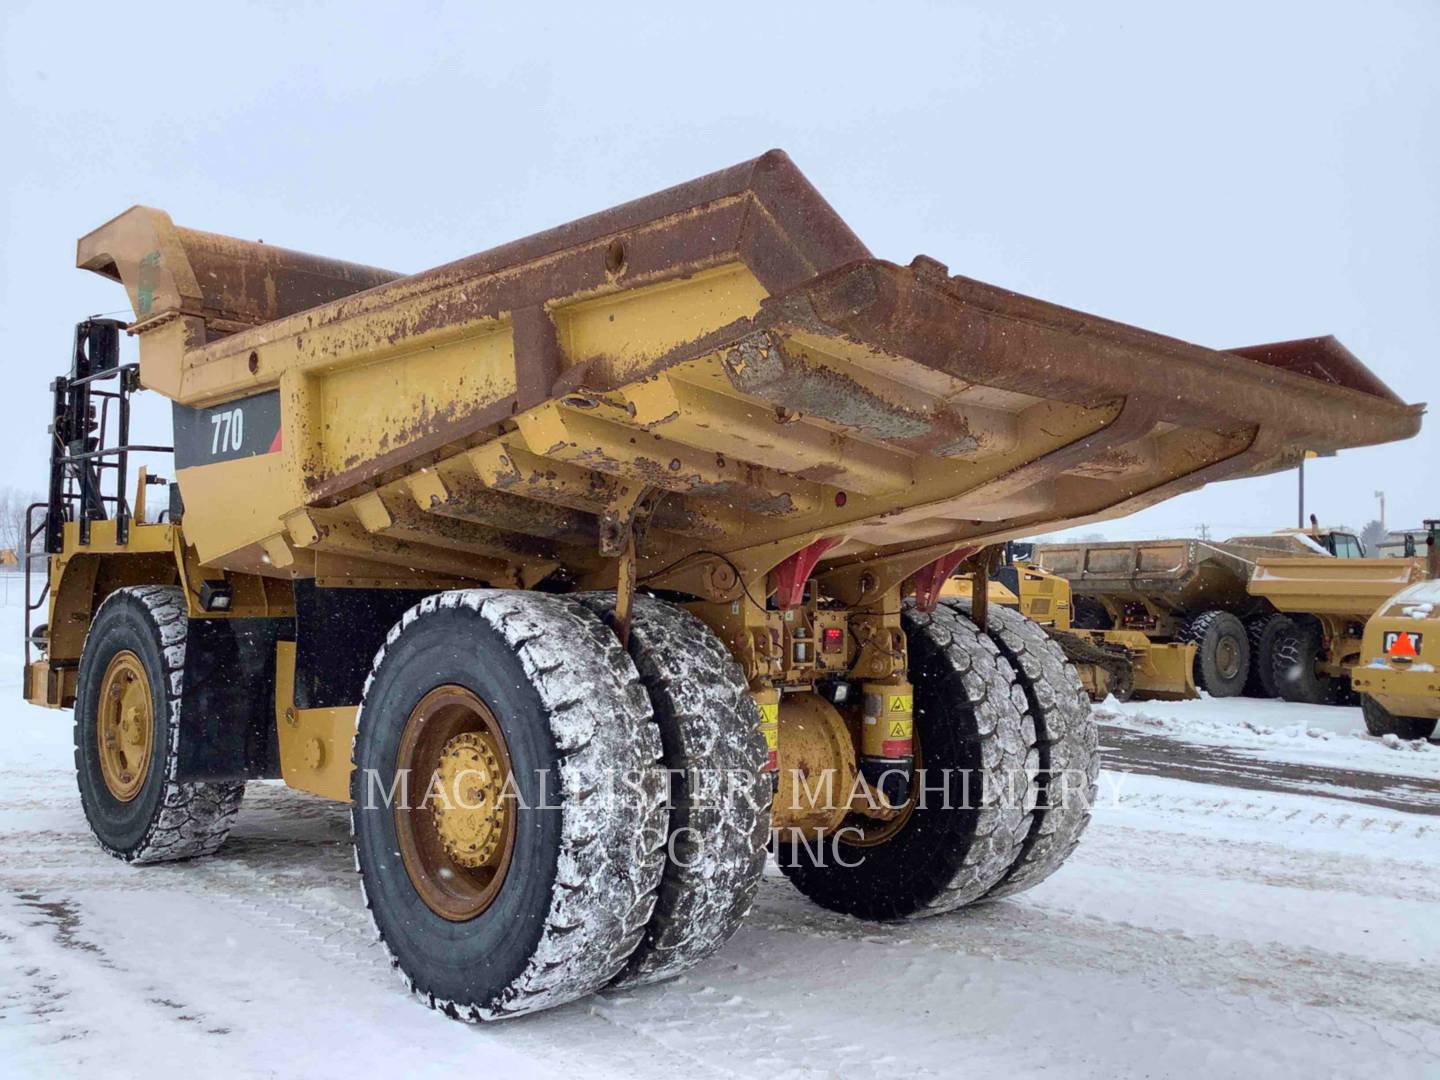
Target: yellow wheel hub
457,837
124,726
467,805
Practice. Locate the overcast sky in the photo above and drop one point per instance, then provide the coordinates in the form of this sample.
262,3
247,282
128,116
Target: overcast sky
1255,173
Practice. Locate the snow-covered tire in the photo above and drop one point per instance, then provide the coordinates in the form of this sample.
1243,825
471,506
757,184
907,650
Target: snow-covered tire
1066,738
1297,649
974,733
166,820
719,794
1380,721
1263,631
1222,652
585,755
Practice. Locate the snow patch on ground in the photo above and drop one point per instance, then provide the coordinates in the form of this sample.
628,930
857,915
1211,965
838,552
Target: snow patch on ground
1273,730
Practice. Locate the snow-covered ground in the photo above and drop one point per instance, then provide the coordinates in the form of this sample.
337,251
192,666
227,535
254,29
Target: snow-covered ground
1279,731
1198,930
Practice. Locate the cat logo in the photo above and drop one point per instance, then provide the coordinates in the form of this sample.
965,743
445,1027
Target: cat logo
1402,643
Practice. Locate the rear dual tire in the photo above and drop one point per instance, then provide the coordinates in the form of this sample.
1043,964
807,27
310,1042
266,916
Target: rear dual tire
719,798
1001,718
603,882
583,750
1066,740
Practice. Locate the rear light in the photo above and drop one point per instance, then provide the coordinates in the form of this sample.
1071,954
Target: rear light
832,639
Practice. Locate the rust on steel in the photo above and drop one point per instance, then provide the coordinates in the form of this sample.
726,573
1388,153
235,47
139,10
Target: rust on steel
728,346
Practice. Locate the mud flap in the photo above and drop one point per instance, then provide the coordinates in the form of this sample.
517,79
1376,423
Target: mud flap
227,711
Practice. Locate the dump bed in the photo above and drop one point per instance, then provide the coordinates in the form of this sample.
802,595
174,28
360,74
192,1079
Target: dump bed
722,368
1349,588
1181,576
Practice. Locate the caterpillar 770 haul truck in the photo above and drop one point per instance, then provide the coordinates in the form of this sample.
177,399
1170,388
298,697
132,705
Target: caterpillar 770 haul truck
524,555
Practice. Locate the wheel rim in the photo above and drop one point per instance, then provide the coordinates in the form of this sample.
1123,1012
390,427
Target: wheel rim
456,831
124,726
1227,657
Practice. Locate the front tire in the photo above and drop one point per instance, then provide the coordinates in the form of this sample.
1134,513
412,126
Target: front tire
127,734
1380,721
1297,651
481,932
1263,631
1222,653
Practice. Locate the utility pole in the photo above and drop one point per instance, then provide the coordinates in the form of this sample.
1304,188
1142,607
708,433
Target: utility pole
1204,531
1300,514
1381,496
1300,517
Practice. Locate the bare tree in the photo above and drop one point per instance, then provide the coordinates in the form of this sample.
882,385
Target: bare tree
13,503
1372,536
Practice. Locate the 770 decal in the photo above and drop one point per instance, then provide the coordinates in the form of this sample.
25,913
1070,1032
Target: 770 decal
236,429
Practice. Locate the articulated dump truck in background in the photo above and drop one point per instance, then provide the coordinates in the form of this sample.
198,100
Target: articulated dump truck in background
586,567
1274,615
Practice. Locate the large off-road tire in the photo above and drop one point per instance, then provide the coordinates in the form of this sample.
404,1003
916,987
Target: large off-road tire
127,734
1380,721
1222,652
976,742
1262,632
719,794
548,684
1065,737
1296,651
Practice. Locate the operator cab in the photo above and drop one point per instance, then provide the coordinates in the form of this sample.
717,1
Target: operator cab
1342,545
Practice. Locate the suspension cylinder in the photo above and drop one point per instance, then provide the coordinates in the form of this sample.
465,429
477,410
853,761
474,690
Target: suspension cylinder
887,739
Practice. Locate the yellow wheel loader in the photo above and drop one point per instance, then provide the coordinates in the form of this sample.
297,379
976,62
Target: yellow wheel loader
1396,677
585,567
1124,664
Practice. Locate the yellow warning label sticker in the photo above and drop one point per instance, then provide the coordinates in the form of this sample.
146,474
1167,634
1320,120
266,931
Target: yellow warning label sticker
901,729
772,736
900,703
770,714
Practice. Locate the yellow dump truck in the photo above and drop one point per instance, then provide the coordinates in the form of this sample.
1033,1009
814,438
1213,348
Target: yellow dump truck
1188,592
1316,640
1397,679
584,566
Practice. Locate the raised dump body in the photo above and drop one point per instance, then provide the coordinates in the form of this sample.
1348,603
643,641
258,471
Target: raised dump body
724,359
504,551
